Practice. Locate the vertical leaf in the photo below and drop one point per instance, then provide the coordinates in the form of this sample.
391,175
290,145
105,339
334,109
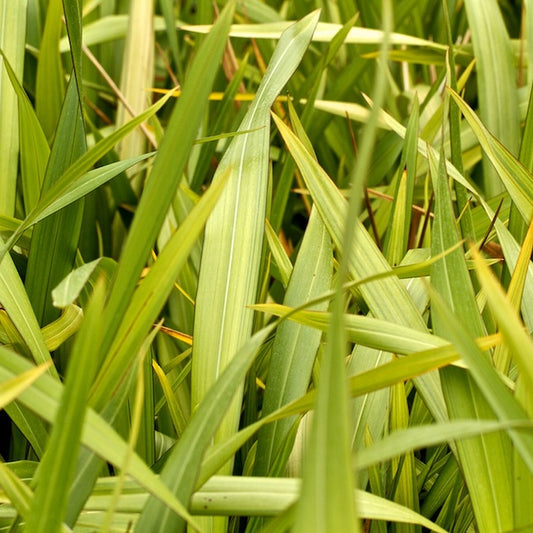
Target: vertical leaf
50,86
496,80
58,465
295,346
484,460
12,41
233,238
72,12
400,223
137,74
55,239
403,467
34,149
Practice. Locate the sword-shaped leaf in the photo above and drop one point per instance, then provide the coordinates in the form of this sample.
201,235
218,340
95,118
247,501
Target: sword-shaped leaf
234,233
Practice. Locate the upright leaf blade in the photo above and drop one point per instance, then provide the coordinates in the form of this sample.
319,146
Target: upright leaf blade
496,80
233,239
57,468
55,240
50,85
482,458
295,346
12,33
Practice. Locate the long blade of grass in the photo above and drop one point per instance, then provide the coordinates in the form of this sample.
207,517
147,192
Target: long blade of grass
279,254
57,467
295,347
55,239
364,330
328,483
137,74
496,393
151,295
85,184
232,495
34,149
495,80
13,31
400,222
233,239
387,298
50,85
417,437
450,277
455,128
403,464
325,32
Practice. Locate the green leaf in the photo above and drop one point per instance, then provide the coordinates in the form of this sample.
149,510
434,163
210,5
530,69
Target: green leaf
71,286
233,238
50,85
137,74
54,240
295,347
12,41
363,330
400,222
18,307
417,437
495,80
508,319
58,465
387,297
493,389
324,32
19,493
483,458
278,254
34,149
514,175
85,184
73,16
